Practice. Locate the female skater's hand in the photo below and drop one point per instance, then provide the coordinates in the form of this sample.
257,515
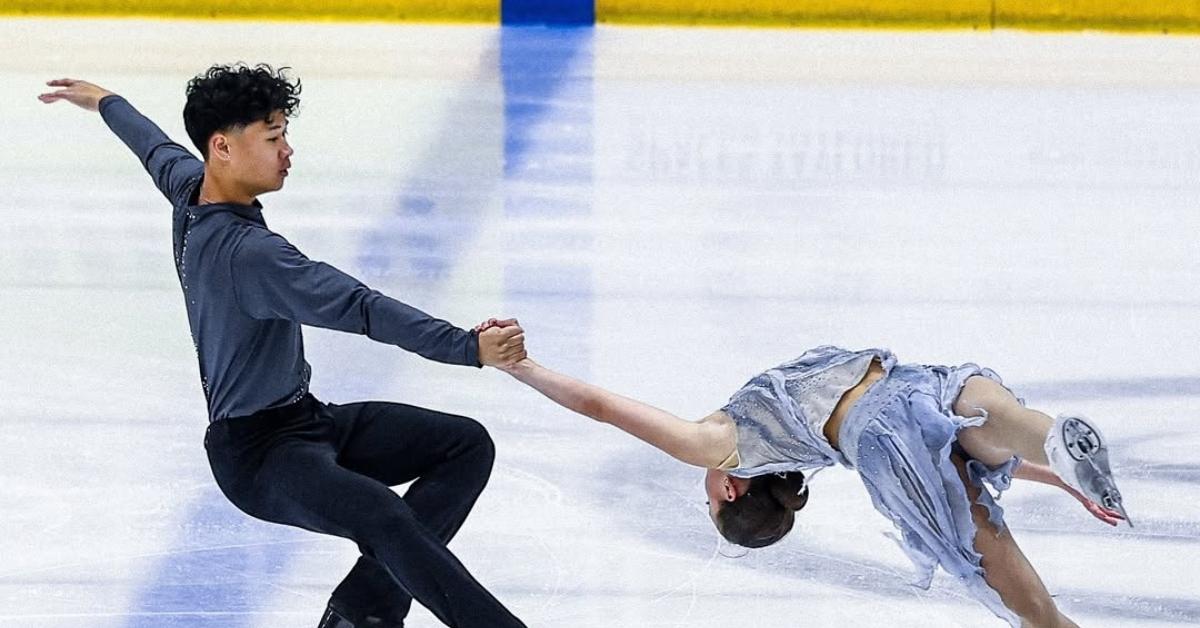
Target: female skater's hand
79,93
1041,473
495,322
1111,517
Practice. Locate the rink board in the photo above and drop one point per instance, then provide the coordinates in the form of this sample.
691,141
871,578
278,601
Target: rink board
1168,16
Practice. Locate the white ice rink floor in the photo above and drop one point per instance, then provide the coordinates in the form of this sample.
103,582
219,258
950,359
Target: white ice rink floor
668,212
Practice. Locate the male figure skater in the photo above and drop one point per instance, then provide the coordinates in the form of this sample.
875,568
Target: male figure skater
276,452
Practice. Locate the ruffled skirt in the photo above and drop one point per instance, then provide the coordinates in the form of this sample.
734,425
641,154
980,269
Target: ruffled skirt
899,438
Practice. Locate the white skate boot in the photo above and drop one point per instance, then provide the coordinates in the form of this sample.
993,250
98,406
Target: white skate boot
1078,453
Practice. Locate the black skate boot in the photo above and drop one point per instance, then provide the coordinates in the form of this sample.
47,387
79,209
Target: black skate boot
335,619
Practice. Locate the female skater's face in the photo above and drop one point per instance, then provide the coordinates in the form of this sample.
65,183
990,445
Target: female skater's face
722,487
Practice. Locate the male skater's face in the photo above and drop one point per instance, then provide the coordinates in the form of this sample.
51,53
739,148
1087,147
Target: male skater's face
259,154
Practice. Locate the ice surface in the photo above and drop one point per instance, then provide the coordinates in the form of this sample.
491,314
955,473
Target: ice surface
668,212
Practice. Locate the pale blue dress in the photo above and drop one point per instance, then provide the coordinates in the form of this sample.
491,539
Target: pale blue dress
898,436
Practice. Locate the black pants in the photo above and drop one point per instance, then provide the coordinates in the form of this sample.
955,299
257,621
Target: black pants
328,468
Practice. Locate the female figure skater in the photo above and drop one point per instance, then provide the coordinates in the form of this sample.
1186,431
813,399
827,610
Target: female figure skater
923,439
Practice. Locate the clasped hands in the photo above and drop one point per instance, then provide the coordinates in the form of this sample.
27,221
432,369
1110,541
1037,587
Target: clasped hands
501,342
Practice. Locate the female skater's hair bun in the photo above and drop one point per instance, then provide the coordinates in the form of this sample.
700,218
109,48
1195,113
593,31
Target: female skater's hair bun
789,490
766,512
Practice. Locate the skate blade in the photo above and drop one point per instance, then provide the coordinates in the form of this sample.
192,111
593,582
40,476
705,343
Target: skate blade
1119,507
1109,496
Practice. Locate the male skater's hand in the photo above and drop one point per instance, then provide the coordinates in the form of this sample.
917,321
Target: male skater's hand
502,346
79,93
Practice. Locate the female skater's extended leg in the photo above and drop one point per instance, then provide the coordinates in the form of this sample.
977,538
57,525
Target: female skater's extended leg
1006,569
1070,445
1011,428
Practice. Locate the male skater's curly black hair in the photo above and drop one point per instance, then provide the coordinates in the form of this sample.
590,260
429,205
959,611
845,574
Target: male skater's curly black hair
766,512
232,96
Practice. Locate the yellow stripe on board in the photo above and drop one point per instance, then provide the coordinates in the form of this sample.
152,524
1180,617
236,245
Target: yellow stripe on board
346,10
1127,15
852,13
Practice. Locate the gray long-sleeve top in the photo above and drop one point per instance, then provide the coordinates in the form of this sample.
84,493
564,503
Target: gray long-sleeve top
248,290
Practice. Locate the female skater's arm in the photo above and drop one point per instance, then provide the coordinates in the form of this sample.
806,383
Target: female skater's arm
1041,473
704,444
